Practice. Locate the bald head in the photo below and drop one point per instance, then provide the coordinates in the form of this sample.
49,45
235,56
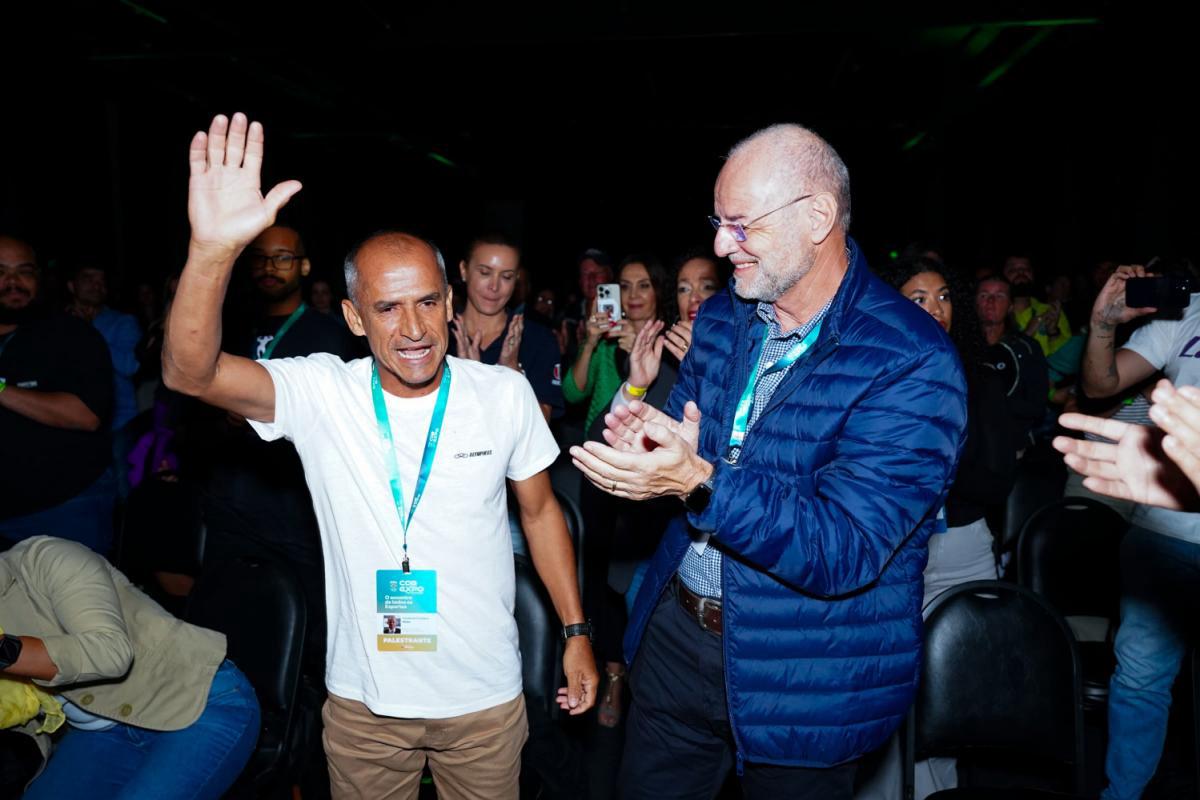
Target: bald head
394,246
797,161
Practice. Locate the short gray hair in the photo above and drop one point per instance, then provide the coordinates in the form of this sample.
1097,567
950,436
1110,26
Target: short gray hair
350,266
805,160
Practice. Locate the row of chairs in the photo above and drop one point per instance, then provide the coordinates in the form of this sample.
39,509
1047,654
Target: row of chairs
1016,666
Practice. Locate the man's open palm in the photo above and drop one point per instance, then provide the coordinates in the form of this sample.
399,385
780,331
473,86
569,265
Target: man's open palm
226,206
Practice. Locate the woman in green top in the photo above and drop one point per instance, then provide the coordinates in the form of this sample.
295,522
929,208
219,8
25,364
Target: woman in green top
602,363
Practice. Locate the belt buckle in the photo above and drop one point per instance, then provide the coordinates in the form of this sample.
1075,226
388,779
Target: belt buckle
702,605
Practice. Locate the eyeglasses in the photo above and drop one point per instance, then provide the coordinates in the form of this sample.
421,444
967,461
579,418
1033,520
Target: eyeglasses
282,262
738,229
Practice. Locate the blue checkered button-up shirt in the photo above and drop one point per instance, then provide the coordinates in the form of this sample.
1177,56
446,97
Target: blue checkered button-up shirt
701,571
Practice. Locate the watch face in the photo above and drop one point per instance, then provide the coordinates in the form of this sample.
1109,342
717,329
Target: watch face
697,499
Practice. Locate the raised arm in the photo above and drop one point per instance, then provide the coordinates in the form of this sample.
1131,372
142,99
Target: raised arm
1106,370
226,209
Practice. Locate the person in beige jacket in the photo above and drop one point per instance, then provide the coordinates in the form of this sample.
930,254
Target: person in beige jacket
154,709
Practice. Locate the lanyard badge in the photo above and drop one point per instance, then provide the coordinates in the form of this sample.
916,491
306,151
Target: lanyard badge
741,419
431,442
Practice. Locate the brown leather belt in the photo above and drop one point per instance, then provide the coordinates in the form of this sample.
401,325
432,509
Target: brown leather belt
705,610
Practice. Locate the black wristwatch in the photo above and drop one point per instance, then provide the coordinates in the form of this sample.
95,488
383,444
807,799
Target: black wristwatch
10,650
697,499
578,629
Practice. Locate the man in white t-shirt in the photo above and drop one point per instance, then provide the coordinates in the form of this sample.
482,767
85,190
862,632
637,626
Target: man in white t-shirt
406,454
1160,555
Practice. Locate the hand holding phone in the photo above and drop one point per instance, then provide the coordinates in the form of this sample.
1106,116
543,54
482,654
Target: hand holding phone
608,300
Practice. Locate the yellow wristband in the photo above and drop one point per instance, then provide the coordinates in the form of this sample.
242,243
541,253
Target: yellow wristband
635,391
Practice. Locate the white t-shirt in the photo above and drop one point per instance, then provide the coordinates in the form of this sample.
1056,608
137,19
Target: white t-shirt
493,429
1174,347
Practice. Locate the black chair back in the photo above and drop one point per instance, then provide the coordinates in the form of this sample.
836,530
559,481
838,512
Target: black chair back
259,606
1069,552
575,527
540,636
1039,480
1000,671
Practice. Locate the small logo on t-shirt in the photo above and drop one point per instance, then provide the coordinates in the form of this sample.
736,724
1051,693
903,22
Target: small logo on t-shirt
1186,352
473,454
557,380
260,351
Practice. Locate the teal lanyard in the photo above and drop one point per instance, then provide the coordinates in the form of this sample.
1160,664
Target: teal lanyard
287,324
741,419
431,442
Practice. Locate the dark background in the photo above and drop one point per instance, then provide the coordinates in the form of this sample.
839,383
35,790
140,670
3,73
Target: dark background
1061,129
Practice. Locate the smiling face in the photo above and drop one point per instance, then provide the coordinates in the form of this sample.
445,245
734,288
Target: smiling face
639,301
697,281
403,306
930,291
776,254
490,273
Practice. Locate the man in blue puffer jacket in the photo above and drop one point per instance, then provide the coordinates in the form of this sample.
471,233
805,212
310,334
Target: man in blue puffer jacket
820,421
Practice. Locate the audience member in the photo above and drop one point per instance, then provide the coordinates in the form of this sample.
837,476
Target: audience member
255,501
1043,322
488,333
154,709
1016,358
148,379
544,309
147,304
356,427
808,520
321,298
596,374
594,267
56,400
88,287
1161,545
962,547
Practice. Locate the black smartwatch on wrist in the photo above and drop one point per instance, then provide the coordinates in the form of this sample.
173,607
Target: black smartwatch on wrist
697,499
10,650
578,629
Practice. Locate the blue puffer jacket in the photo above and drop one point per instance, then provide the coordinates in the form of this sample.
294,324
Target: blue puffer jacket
824,520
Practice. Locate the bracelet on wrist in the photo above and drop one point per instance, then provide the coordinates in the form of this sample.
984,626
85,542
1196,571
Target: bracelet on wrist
635,391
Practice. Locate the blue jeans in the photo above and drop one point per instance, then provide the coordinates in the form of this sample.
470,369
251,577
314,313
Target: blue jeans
200,761
1160,580
85,518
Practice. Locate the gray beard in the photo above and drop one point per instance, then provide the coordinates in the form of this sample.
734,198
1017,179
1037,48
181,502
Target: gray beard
767,288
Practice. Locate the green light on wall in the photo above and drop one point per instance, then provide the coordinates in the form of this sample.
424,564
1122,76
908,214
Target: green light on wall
141,11
1021,52
442,160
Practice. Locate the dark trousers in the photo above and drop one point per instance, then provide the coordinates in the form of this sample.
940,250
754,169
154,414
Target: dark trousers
678,741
